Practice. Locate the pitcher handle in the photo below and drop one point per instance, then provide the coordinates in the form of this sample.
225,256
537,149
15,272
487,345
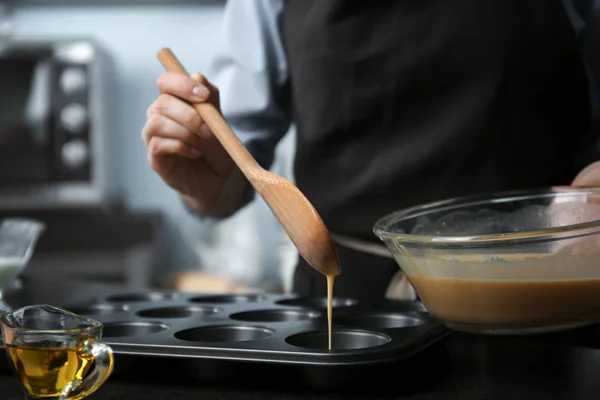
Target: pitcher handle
104,364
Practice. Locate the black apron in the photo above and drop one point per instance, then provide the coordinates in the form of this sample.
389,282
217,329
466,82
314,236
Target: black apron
399,103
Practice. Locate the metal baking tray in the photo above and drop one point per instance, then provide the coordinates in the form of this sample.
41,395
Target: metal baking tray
261,327
279,330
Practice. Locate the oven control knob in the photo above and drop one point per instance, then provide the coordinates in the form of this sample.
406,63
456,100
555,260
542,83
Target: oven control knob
75,153
73,80
73,118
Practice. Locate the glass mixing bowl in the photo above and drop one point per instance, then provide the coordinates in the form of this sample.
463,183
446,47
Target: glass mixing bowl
509,263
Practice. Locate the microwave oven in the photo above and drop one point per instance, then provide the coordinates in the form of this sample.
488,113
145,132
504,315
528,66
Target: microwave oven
55,125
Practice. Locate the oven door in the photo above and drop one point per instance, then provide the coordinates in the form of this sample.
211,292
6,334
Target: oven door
26,142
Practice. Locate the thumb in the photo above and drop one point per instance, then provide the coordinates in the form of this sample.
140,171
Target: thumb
197,77
588,177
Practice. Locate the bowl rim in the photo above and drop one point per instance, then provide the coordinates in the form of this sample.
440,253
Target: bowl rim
381,226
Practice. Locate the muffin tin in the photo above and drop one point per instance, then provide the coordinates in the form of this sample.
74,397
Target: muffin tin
263,328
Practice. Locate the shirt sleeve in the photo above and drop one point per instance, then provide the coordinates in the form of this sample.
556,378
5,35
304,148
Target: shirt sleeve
250,70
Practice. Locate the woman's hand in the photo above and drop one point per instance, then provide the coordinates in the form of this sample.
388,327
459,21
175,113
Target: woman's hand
588,177
183,150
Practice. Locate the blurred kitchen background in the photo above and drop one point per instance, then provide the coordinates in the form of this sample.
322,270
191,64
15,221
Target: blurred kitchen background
77,77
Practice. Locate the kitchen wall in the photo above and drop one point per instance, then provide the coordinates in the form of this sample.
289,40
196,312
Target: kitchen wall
132,35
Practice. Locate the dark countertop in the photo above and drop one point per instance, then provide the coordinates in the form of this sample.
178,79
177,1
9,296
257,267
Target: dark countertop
560,366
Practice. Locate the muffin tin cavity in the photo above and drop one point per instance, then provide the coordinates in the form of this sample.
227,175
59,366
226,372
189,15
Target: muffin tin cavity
132,329
139,297
177,312
401,306
214,334
318,302
224,299
275,315
98,309
340,340
381,321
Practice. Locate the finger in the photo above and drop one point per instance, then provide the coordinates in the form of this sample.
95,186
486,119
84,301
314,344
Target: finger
205,131
150,111
562,187
588,177
181,112
161,126
159,148
214,97
182,86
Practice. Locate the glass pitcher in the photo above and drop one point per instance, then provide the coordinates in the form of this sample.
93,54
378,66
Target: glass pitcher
18,238
54,353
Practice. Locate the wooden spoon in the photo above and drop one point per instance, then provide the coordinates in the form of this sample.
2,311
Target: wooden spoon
292,209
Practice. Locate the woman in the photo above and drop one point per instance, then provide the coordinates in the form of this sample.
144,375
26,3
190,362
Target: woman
396,103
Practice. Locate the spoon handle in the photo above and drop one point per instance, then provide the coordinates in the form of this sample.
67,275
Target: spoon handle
215,121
